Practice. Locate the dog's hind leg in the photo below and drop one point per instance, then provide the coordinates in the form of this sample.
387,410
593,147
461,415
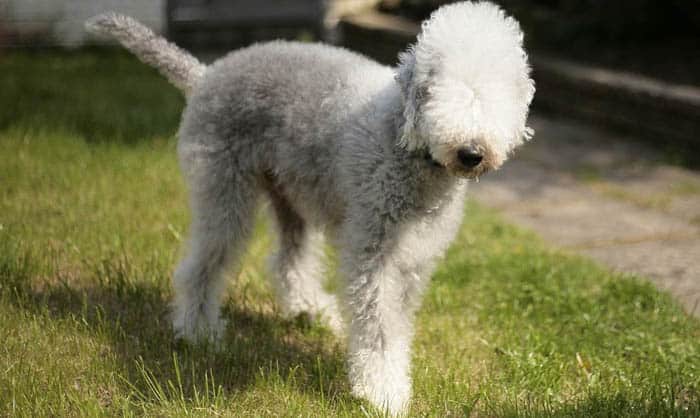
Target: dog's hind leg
223,201
298,267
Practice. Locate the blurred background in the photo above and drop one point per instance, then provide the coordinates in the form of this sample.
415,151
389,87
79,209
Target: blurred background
612,172
650,37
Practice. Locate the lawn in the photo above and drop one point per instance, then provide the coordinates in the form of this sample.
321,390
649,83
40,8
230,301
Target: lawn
92,216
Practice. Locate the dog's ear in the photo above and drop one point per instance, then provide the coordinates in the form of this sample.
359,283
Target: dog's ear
410,95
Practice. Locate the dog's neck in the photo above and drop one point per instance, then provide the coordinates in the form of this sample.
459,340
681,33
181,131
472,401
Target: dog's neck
434,185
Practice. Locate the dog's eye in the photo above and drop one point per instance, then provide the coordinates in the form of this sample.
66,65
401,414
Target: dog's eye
422,93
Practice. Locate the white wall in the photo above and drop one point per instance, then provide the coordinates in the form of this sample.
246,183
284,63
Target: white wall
61,21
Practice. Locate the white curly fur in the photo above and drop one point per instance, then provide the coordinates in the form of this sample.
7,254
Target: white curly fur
470,63
368,156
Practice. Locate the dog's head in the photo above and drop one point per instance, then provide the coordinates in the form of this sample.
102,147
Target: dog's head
466,88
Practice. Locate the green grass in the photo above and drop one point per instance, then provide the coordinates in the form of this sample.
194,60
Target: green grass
92,214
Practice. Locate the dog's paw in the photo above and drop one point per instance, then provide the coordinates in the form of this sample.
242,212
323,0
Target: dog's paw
320,307
198,329
328,312
387,398
382,379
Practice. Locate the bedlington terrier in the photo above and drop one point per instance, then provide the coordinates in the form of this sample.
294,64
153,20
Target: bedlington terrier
374,159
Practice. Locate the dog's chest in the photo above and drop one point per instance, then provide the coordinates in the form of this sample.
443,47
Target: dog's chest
428,233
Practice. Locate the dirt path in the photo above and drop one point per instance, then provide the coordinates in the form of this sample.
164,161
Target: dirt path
607,197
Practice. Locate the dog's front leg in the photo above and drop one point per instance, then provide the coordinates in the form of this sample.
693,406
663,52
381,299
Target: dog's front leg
381,328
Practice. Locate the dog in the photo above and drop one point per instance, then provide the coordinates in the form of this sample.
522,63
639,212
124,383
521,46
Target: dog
371,159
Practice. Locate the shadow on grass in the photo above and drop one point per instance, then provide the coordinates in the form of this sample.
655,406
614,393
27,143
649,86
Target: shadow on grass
99,94
133,318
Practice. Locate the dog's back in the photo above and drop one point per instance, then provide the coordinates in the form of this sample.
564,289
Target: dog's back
292,86
285,108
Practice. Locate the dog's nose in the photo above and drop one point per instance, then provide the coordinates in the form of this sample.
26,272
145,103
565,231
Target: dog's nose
469,158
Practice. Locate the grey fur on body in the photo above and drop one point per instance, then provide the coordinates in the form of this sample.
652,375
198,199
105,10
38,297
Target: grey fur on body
348,150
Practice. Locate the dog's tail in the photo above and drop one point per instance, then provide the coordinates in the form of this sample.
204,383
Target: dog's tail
180,67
